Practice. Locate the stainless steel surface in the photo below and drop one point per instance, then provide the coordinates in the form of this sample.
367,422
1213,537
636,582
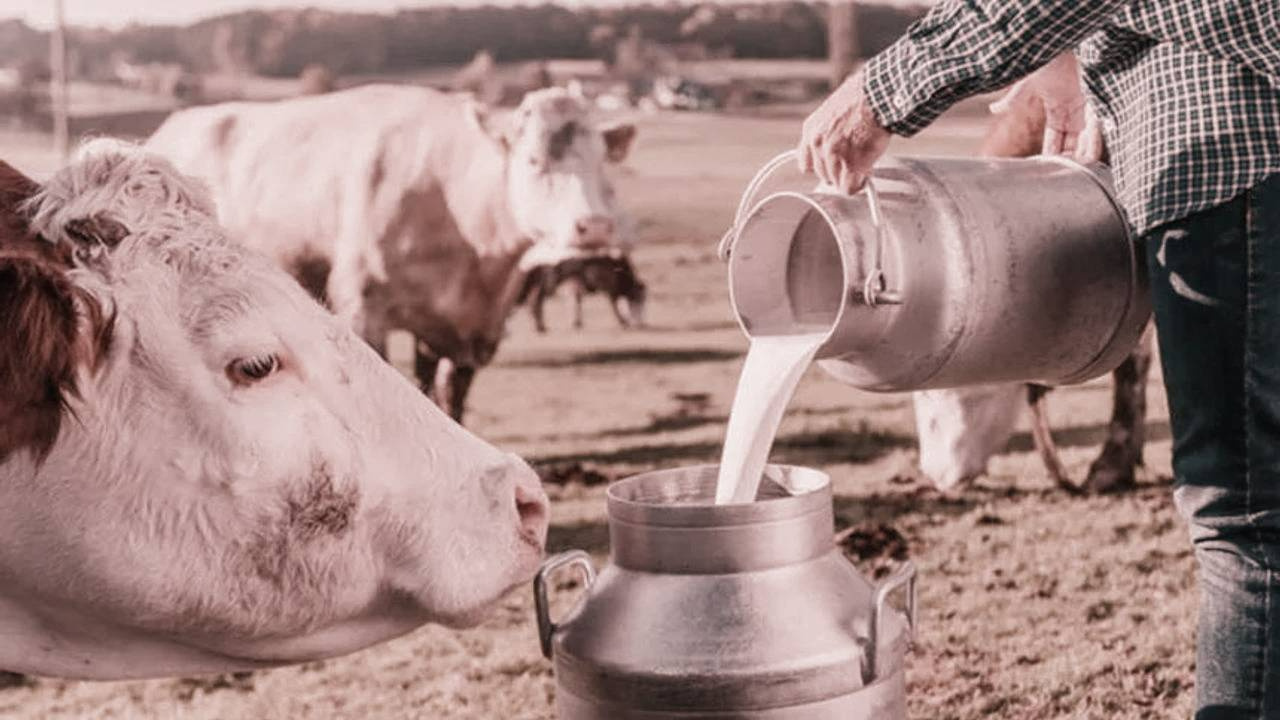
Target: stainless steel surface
740,610
905,576
874,290
1005,270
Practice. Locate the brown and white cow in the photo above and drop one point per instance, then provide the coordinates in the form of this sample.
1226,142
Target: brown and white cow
960,429
405,208
201,469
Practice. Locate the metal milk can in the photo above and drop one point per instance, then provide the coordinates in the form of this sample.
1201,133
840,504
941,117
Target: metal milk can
726,611
945,272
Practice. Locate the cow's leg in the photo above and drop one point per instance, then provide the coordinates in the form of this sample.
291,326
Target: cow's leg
459,388
623,316
1043,438
578,292
425,366
1121,455
536,301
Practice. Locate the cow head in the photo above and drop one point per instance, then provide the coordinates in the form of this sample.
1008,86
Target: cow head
199,462
557,190
959,429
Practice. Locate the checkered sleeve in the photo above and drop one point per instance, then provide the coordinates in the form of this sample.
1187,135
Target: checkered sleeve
965,47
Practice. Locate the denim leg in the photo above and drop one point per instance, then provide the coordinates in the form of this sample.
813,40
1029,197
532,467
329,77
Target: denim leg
1216,291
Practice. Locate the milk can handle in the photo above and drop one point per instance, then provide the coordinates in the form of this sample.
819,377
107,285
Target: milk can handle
874,291
547,628
905,575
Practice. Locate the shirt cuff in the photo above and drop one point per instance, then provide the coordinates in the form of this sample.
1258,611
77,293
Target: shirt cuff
887,86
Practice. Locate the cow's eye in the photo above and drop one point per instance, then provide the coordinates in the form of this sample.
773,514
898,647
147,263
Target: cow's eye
246,371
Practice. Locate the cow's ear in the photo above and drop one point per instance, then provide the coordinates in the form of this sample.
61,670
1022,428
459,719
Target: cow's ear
38,349
50,328
478,114
617,141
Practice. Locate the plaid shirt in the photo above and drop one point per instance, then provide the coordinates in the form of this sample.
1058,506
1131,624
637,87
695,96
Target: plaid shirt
1188,91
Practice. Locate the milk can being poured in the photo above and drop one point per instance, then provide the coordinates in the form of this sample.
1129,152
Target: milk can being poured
945,272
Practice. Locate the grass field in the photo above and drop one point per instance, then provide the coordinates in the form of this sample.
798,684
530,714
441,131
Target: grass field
1034,604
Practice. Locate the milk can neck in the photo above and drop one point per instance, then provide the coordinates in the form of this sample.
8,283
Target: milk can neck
667,522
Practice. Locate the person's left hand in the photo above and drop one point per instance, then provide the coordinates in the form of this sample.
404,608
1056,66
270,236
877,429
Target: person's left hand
842,140
1068,120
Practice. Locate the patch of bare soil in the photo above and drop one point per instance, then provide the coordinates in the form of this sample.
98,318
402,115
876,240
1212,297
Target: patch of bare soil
873,545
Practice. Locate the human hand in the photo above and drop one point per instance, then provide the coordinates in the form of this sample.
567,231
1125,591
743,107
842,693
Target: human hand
1091,147
1071,126
842,140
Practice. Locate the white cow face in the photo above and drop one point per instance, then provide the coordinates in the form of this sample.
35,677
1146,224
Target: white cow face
556,185
234,470
959,429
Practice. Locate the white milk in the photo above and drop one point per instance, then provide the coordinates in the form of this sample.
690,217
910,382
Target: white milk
770,374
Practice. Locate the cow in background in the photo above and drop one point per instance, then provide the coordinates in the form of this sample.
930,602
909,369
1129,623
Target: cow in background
405,208
611,275
960,429
202,470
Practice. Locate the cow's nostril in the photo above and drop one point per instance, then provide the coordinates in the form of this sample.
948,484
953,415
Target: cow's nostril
598,227
531,506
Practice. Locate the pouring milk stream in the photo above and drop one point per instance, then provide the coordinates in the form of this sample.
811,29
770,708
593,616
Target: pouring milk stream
784,341
773,368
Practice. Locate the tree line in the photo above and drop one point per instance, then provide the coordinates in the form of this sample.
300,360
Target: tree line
284,42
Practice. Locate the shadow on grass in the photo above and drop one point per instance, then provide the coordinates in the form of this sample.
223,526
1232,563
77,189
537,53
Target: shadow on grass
15,680
590,536
888,508
1083,436
827,447
645,356
678,421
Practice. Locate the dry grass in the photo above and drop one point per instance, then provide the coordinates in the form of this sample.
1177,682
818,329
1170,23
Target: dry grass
1034,604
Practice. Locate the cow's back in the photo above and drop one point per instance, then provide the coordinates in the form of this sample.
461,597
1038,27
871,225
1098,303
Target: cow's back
291,177
349,191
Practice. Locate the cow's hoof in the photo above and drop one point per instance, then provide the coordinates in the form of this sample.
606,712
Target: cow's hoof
1109,475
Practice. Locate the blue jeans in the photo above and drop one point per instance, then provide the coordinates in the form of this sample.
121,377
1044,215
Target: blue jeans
1215,277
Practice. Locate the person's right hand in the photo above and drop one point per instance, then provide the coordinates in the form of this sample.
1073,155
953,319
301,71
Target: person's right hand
1071,127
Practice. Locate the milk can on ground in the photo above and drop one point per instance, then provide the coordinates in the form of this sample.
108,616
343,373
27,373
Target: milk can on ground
743,610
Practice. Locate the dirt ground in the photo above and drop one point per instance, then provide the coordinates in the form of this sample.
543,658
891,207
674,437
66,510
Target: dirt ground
1034,604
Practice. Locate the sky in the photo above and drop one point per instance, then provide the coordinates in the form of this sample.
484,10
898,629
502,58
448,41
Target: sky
117,13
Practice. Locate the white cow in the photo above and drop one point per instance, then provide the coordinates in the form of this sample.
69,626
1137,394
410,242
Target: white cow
408,209
201,470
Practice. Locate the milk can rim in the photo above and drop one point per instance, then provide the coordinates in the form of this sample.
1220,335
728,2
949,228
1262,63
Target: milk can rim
814,495
740,226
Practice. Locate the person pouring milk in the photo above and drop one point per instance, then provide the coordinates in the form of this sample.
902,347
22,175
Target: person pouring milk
1187,96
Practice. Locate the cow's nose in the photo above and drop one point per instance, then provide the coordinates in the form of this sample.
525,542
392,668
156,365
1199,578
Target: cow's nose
594,230
532,506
